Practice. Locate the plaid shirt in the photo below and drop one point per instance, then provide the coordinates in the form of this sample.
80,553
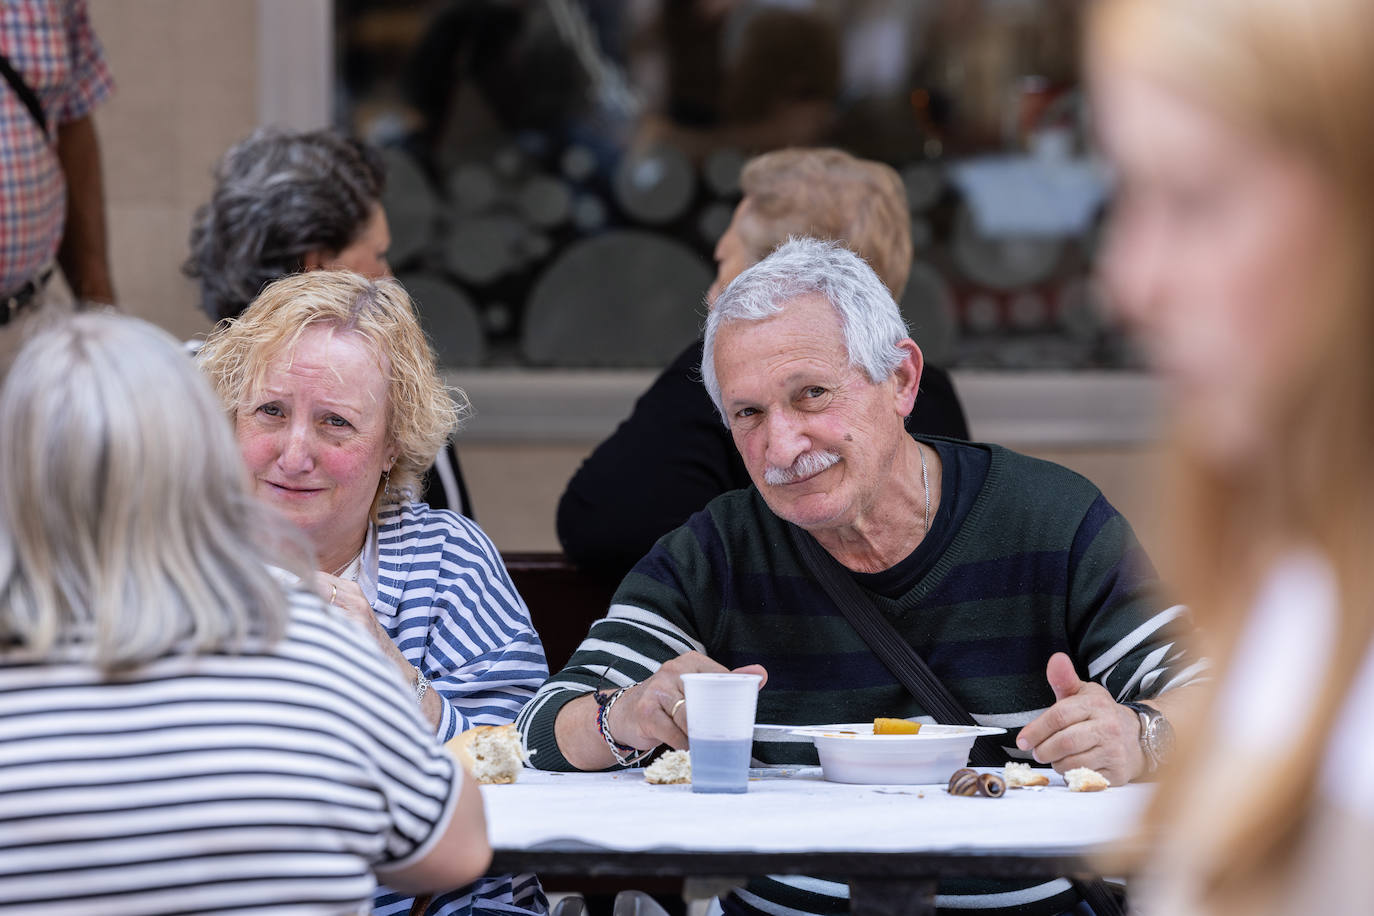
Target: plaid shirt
53,47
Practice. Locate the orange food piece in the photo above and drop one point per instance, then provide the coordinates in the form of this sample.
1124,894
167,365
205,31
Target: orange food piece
895,727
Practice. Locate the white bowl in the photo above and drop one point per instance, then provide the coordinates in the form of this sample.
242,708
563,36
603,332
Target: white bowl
853,754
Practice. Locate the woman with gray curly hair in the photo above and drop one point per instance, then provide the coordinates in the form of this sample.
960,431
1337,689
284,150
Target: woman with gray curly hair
289,202
338,408
285,203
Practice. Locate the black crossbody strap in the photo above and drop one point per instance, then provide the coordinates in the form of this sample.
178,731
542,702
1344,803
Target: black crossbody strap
892,650
25,93
915,675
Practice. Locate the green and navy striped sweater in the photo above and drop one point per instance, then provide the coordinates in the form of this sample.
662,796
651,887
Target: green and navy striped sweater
1040,563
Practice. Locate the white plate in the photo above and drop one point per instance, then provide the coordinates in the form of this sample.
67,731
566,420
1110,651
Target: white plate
852,753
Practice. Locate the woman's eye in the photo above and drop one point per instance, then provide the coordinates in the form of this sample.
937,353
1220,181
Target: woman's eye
272,410
336,420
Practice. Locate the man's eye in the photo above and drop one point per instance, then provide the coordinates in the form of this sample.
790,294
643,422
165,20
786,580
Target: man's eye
814,391
745,413
336,420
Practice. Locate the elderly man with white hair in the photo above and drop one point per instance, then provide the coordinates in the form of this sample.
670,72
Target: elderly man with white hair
1021,587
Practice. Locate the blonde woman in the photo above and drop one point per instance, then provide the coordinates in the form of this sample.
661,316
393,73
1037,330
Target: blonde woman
1242,251
286,202
178,733
338,408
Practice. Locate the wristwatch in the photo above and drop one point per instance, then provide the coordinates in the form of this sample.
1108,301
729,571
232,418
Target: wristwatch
1156,735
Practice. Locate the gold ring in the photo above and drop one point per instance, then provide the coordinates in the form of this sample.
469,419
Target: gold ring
675,706
333,591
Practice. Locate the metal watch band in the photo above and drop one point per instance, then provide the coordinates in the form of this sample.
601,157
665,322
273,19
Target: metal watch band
1156,735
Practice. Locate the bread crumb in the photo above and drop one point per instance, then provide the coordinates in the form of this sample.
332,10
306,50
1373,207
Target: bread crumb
672,768
1083,779
1022,775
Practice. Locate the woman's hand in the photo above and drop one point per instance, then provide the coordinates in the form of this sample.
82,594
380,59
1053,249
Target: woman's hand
347,596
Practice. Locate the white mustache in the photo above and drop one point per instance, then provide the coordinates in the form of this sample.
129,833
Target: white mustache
806,465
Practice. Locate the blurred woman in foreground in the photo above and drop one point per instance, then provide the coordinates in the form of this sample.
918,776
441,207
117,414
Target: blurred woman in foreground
1242,251
180,733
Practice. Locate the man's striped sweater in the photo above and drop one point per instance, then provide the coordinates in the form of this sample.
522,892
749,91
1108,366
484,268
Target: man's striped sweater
1041,563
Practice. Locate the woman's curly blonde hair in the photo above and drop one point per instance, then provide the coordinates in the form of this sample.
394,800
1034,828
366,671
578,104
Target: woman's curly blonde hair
422,413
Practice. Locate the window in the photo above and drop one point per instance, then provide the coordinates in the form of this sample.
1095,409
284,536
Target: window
560,170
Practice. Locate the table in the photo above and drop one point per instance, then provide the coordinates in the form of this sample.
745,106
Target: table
890,843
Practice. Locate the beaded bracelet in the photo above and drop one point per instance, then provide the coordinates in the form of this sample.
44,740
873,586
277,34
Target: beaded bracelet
623,753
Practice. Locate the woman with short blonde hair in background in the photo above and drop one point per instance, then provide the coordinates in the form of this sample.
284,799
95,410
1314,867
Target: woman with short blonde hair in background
180,731
338,407
1242,250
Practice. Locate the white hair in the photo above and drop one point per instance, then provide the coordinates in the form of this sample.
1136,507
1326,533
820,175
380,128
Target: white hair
127,530
872,323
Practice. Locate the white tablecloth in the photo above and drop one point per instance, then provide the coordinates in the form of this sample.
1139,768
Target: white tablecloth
792,810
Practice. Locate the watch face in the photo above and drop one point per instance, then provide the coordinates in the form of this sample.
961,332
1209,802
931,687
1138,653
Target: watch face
1160,737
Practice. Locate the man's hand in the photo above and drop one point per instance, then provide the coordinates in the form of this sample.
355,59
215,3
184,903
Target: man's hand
649,714
1084,728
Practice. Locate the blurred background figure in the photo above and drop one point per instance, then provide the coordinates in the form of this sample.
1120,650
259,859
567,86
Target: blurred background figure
287,202
182,733
1240,252
52,199
338,407
673,454
738,75
557,163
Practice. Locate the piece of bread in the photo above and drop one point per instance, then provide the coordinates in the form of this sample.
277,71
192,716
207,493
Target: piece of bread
490,753
1021,775
1083,779
673,767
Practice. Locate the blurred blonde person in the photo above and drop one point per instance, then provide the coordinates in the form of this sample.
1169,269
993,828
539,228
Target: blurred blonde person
181,733
1241,251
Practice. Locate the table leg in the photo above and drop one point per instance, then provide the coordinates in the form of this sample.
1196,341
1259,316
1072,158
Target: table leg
892,897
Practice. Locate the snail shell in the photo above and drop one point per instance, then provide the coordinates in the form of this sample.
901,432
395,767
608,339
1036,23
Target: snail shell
992,785
970,782
964,782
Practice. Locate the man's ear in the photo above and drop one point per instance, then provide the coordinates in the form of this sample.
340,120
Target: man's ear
314,260
907,377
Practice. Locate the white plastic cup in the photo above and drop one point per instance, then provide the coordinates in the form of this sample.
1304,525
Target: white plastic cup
720,729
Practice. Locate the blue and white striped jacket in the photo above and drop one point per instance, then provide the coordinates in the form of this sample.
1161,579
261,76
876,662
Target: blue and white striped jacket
445,599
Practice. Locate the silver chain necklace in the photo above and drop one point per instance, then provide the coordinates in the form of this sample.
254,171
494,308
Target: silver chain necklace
354,567
925,482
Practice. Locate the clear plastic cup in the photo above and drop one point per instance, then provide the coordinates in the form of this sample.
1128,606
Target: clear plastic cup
720,729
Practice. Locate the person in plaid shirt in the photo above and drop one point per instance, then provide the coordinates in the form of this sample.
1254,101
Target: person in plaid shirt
51,196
